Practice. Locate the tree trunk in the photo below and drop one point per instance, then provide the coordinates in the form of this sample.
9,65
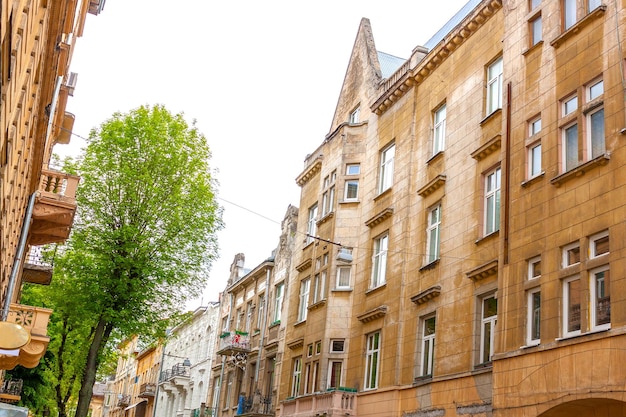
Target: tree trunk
100,338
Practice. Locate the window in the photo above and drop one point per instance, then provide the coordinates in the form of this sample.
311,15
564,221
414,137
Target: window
304,299
311,224
569,13
571,306
533,320
534,4
372,353
319,284
439,133
328,196
278,301
249,311
535,30
352,190
494,86
534,160
489,317
571,255
295,376
337,345
534,268
309,350
534,126
582,129
355,115
599,245
492,201
386,168
318,347
261,312
343,277
428,345
599,288
379,261
592,5
432,234
334,374
353,169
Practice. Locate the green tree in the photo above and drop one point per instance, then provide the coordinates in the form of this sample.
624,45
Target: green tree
144,236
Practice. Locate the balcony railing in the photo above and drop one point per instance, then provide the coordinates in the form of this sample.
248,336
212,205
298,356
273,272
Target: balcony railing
11,390
38,265
178,370
257,405
147,390
58,183
337,402
35,321
234,342
124,401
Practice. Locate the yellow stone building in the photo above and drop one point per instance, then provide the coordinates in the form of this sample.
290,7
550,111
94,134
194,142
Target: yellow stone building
37,202
461,245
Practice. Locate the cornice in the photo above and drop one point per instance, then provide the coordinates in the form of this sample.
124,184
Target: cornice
488,148
310,171
373,314
432,186
483,271
380,217
426,295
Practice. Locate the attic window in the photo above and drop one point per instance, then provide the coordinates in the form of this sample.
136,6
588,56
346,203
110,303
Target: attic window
354,116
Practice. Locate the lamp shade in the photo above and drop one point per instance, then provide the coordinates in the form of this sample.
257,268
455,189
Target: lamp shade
13,336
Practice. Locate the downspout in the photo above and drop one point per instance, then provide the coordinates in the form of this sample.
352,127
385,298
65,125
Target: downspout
219,388
18,255
53,106
507,158
265,310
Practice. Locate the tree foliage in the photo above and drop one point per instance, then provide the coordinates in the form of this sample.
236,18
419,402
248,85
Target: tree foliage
144,235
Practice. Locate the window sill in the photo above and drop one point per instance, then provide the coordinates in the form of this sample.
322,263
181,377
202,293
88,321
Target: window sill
531,345
533,48
487,237
484,365
490,116
299,323
355,201
430,265
581,169
316,305
534,179
372,290
382,193
325,218
435,157
585,21
422,380
341,290
577,335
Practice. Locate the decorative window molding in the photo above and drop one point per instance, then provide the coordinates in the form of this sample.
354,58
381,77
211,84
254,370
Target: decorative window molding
304,265
432,186
310,171
380,217
488,148
483,271
427,295
581,169
585,21
374,314
296,344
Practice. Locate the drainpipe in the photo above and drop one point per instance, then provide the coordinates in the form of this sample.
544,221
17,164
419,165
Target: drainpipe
263,326
18,255
219,388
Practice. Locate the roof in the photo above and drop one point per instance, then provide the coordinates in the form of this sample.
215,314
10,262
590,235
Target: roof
452,23
389,63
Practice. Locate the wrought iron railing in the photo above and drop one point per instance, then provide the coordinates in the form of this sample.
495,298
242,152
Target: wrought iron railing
12,387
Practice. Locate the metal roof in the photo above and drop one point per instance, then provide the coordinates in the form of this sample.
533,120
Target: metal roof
452,23
389,63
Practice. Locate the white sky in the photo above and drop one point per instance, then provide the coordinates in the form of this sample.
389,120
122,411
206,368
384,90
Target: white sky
261,78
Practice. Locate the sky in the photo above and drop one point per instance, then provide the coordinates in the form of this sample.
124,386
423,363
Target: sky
260,78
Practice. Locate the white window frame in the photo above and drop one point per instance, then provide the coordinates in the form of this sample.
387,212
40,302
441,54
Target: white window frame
570,15
279,294
487,323
570,146
319,286
599,285
351,191
567,249
428,346
536,30
492,201
296,376
305,287
328,196
531,270
260,311
533,317
593,244
494,85
534,126
596,145
353,169
372,360
330,372
379,261
355,116
433,234
311,228
534,160
439,131
566,307
340,271
387,157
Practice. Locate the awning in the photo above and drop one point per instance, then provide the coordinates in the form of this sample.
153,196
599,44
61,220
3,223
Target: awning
135,405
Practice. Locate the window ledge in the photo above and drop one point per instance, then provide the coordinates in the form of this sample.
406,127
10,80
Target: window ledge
349,201
382,193
371,290
589,333
533,48
534,179
422,380
585,21
490,115
341,290
430,265
581,169
299,323
532,345
484,365
487,237
317,304
325,218
435,157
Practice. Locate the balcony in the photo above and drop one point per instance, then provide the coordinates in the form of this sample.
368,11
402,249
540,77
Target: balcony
35,321
123,401
256,406
11,390
147,390
178,376
232,343
54,209
38,266
341,402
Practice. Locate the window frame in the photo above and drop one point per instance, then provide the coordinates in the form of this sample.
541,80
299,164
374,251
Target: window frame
372,360
566,292
439,129
331,371
331,347
311,228
379,261
535,30
386,167
296,376
433,227
427,354
490,322
531,271
355,115
341,268
279,295
566,250
533,322
303,299
593,297
492,225
593,252
494,85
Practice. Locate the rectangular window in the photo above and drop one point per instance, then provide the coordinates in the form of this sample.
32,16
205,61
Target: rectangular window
334,374
352,190
595,122
570,146
328,196
318,347
569,13
305,285
439,132
534,268
307,378
534,160
600,298
387,157
343,277
355,116
319,286
534,126
372,357
536,35
592,5
309,350
379,261
428,346
278,301
249,311
533,321
337,345
489,317
261,311
571,255
492,201
571,306
494,86
311,224
296,377
432,234
599,244
534,4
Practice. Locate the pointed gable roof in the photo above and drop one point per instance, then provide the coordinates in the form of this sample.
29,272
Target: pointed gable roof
362,77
